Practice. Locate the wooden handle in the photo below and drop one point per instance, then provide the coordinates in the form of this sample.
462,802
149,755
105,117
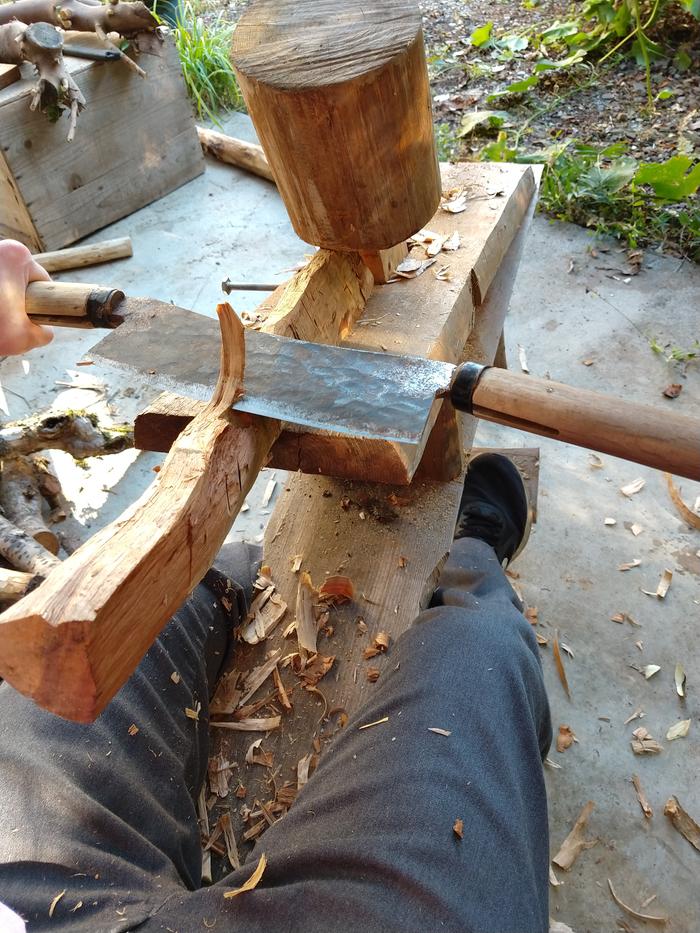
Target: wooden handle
76,257
74,641
73,304
651,436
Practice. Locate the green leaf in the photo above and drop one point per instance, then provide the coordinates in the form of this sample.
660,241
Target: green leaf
664,95
548,64
519,87
472,119
682,60
513,43
693,7
673,179
559,31
498,151
481,35
608,179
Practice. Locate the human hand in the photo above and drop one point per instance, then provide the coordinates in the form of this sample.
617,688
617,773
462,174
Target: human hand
17,269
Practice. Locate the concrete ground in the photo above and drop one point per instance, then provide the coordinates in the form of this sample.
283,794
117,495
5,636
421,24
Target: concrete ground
566,309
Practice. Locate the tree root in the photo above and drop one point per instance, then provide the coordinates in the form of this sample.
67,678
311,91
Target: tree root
115,16
79,434
41,45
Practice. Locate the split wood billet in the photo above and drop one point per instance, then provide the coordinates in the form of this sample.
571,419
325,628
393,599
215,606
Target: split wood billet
77,257
422,317
340,100
237,152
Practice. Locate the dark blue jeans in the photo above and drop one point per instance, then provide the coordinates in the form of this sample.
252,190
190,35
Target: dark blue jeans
109,817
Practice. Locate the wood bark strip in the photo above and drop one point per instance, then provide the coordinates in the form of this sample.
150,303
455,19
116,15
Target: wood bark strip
20,500
124,18
575,843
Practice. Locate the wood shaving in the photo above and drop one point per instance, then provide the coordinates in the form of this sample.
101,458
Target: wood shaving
452,242
643,743
257,756
250,725
595,462
337,589
541,640
673,390
636,529
281,691
305,615
267,495
565,647
443,274
252,882
361,626
230,840
315,670
663,585
522,357
263,618
458,828
683,822
227,695
641,797
435,247
630,565
559,664
133,729
637,714
454,202
649,670
610,521
438,731
631,489
175,677
679,679
220,774
623,617
257,677
55,901
377,722
303,766
370,652
554,881
532,614
407,269
403,562
565,738
373,674
648,918
575,843
193,713
382,640
296,562
686,514
679,730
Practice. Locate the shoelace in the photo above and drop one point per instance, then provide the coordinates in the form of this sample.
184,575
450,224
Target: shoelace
479,523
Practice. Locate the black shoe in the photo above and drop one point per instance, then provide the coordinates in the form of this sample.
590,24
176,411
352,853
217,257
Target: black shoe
494,506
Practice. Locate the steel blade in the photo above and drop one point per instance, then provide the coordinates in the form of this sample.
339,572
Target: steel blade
335,389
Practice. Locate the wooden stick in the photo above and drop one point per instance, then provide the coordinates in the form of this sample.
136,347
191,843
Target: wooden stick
238,152
13,584
23,552
81,304
21,499
77,257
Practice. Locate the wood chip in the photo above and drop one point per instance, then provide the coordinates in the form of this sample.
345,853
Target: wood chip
575,843
438,731
637,714
455,203
630,565
631,489
263,618
252,882
316,669
643,743
175,677
636,529
648,918
554,881
296,562
305,615
673,390
686,514
227,695
683,822
220,774
193,713
641,797
373,674
679,679
679,730
303,766
281,691
377,722
458,828
133,729
610,521
559,664
649,670
565,738
663,585
55,901
257,677
522,357
250,725
267,495
452,242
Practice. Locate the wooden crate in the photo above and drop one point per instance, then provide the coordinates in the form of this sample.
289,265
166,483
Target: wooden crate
135,141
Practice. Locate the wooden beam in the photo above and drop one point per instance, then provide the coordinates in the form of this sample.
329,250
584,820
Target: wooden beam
340,100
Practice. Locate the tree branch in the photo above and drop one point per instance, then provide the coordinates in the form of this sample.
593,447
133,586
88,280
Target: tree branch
20,500
78,433
124,18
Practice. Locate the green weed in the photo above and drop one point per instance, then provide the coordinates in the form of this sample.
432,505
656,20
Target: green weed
204,54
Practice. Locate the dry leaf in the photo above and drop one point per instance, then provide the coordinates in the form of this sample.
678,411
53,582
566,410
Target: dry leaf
683,822
679,730
636,529
673,390
305,615
565,738
458,828
686,514
522,356
438,731
377,722
249,725
610,521
559,664
632,488
575,843
637,714
663,585
680,680
630,565
252,882
643,743
55,901
641,797
337,590
650,669
648,918
373,674
133,729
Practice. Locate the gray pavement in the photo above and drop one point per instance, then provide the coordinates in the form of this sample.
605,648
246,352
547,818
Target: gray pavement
565,309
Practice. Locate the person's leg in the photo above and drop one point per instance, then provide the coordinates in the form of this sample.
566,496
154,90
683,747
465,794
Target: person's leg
369,844
106,812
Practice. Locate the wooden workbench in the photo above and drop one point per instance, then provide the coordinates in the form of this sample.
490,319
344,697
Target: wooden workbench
390,541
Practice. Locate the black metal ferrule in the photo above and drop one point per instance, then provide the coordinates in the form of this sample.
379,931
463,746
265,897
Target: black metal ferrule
101,305
464,382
